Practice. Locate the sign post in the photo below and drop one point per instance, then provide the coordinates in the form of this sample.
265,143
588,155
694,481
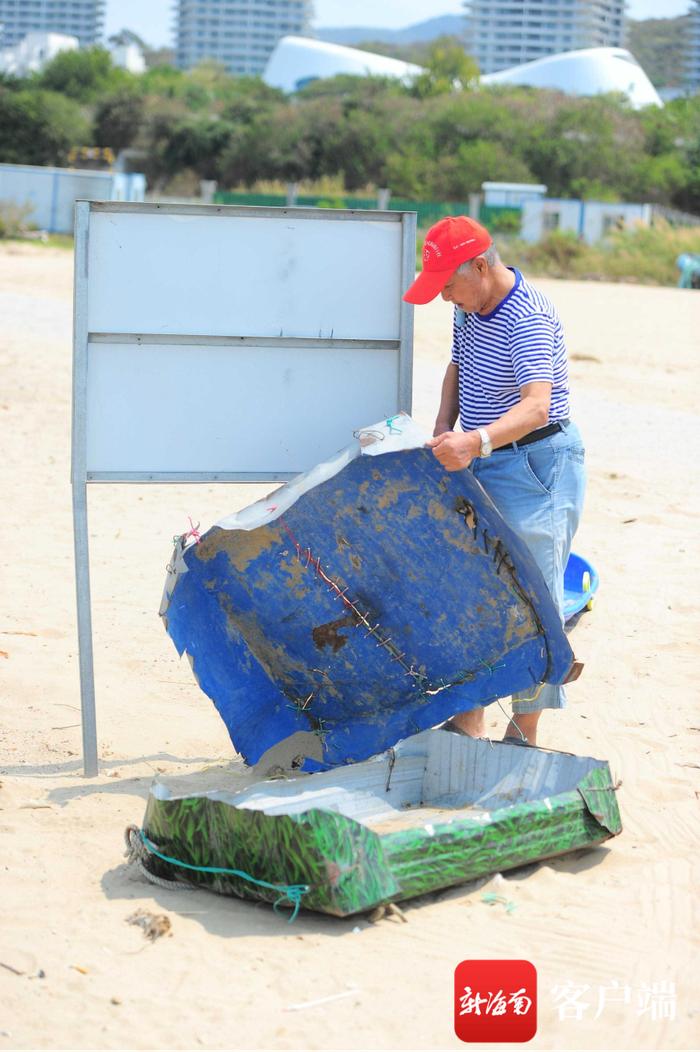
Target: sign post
227,317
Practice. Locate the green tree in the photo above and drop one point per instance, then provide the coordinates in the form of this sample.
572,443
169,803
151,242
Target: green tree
246,98
448,68
685,114
589,140
364,91
278,145
82,75
118,119
407,172
161,117
205,84
197,144
482,116
162,82
417,52
687,196
12,83
432,139
472,164
38,127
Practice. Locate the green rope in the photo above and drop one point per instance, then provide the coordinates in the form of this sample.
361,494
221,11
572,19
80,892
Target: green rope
491,668
292,892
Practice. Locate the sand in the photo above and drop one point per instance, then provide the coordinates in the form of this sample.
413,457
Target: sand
613,926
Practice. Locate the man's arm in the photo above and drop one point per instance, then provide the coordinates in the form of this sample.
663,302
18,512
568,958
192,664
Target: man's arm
531,412
455,450
449,401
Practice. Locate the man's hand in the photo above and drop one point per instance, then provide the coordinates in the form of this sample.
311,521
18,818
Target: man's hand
456,450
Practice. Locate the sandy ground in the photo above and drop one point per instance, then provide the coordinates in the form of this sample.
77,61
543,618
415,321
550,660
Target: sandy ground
613,925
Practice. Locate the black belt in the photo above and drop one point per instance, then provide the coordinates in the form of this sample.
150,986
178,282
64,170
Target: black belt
535,436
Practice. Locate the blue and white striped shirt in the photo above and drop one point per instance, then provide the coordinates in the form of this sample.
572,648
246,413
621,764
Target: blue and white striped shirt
518,343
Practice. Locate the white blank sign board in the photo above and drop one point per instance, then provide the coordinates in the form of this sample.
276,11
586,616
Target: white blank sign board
250,410
236,343
271,275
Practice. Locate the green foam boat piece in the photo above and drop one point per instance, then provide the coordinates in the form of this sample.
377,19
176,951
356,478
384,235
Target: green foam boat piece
435,811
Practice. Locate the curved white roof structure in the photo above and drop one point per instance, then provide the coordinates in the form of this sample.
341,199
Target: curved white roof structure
296,61
593,71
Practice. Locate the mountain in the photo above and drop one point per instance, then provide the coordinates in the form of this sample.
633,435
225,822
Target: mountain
659,45
444,25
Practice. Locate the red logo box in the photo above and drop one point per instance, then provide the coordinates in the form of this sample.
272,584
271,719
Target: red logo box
495,1001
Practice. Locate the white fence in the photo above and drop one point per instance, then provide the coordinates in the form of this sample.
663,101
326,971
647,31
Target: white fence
51,193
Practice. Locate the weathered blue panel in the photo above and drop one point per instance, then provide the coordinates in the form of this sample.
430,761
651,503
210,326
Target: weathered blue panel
383,601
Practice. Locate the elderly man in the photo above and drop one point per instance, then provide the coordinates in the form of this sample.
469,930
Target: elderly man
508,384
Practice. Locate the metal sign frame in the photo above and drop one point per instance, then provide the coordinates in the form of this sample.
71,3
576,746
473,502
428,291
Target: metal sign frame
81,476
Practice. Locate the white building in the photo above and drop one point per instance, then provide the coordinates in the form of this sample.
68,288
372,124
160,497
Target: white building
129,57
297,61
32,53
239,33
512,195
594,71
591,221
35,50
505,33
76,18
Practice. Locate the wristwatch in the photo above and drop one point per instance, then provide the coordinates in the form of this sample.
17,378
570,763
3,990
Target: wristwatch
486,447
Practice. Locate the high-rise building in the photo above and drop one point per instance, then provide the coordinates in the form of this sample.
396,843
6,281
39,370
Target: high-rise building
240,33
76,18
692,69
505,33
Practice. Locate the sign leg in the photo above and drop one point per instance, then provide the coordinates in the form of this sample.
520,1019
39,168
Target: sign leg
82,584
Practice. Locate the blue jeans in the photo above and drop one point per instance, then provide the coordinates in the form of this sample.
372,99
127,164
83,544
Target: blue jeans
539,491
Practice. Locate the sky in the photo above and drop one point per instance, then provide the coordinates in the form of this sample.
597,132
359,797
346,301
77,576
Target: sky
152,19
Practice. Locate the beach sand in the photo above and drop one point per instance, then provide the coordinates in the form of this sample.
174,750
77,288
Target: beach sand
612,927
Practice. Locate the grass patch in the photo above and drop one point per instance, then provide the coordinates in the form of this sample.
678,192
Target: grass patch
643,255
58,241
15,226
62,241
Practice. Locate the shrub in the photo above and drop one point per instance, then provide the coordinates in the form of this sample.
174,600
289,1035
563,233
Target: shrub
39,127
644,255
557,253
14,220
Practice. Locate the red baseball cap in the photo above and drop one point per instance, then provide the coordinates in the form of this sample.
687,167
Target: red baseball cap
449,243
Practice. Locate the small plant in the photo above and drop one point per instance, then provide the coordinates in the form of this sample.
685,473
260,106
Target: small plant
558,252
14,220
508,222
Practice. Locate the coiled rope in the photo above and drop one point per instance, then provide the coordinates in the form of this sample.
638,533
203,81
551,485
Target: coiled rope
139,848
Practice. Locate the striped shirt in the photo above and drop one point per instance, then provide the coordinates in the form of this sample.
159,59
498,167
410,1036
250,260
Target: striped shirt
518,343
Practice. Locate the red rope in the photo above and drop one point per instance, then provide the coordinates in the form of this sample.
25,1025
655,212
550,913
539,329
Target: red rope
193,531
362,618
319,572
